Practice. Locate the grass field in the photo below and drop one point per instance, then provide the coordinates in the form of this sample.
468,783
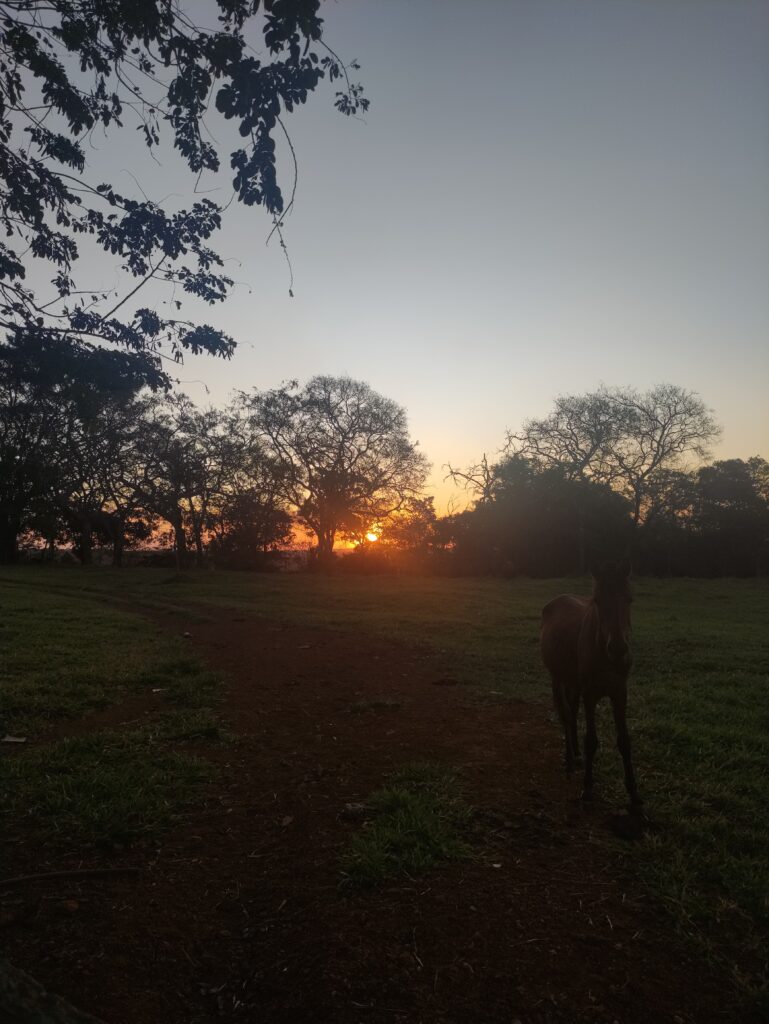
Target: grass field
63,658
73,642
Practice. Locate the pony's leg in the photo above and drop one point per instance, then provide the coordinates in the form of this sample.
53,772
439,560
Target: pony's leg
561,701
619,707
591,745
573,714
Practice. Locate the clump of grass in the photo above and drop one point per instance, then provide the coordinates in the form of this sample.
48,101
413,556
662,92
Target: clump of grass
105,788
187,725
27,709
419,819
182,681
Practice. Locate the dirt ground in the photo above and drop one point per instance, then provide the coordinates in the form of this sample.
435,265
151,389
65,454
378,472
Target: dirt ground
241,915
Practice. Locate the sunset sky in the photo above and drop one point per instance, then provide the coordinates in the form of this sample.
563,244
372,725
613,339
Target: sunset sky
543,196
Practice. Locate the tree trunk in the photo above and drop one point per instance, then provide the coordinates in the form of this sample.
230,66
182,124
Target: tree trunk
196,522
86,545
9,539
637,498
180,541
118,543
326,541
326,536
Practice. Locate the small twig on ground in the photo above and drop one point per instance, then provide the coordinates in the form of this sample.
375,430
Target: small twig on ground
6,883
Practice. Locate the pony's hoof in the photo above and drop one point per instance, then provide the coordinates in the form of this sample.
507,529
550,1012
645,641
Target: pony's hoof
586,796
636,807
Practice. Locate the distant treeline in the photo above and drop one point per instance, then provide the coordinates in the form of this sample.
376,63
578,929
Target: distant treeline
89,458
538,521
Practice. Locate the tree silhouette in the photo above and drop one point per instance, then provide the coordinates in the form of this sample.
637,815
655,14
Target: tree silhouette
620,437
345,456
731,512
53,402
70,66
538,520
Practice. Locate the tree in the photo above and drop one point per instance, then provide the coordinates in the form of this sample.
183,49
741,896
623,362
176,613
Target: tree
731,512
248,517
345,458
411,529
578,436
249,524
665,543
480,479
96,491
403,542
70,66
173,471
621,437
661,429
201,446
47,393
28,437
538,520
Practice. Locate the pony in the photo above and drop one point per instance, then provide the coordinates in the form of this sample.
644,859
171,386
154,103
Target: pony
585,648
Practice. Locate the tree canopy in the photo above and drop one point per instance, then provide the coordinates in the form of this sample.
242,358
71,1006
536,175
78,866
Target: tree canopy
345,456
620,437
70,66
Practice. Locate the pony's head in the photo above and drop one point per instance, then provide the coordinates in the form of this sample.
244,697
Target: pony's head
612,596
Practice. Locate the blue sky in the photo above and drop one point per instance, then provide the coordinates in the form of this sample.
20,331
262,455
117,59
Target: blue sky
543,196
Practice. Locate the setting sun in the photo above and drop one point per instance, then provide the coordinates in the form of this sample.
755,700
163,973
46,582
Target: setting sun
372,537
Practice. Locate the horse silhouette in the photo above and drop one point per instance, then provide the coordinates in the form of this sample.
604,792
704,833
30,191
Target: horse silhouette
585,649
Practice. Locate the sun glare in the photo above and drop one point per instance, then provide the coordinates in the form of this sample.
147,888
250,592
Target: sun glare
371,537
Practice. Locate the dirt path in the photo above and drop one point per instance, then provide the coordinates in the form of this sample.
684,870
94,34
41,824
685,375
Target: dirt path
240,914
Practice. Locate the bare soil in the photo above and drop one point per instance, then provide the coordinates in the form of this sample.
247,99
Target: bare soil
242,913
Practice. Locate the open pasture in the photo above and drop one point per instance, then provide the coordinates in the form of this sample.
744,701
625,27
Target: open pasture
345,800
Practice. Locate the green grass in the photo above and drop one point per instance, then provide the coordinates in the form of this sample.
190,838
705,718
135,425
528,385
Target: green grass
700,724
698,704
105,788
182,682
486,629
65,656
418,820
